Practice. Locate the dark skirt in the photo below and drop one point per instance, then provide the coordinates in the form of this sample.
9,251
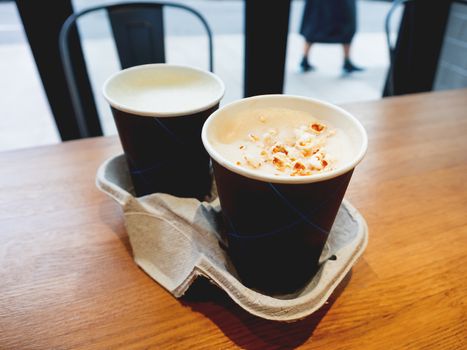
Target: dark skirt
329,21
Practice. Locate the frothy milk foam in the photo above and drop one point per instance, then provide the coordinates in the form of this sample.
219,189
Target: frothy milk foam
163,90
243,140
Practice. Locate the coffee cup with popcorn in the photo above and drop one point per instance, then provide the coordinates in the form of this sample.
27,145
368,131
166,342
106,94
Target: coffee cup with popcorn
282,165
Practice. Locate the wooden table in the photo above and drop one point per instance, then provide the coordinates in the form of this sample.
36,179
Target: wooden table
67,279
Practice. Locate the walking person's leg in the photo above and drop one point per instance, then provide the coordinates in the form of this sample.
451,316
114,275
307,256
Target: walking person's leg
348,66
305,65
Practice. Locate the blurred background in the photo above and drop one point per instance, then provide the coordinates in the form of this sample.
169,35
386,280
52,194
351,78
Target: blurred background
26,117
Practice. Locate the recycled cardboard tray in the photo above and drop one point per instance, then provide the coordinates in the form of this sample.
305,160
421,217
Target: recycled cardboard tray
175,240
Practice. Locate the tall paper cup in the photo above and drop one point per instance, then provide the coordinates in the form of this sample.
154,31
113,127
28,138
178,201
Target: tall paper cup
276,226
159,110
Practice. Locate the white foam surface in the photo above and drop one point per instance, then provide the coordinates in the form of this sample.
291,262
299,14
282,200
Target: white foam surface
163,90
227,128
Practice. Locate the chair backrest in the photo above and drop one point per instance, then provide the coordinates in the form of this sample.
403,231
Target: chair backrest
414,58
391,48
452,65
138,31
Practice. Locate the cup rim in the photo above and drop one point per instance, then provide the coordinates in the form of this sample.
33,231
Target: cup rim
284,179
146,113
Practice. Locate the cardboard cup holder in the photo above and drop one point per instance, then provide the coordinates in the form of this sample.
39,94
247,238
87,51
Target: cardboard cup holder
175,240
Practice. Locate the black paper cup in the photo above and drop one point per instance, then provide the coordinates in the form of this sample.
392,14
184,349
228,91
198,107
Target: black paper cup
159,111
276,226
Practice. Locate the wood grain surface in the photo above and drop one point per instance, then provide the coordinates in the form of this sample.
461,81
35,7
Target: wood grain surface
67,279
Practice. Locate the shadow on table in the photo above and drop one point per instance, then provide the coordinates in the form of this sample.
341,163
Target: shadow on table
248,331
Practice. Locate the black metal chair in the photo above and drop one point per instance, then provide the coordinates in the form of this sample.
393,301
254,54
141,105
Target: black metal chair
389,88
138,31
415,56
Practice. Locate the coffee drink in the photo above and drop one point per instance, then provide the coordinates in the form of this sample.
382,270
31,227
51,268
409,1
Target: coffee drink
159,110
282,142
282,165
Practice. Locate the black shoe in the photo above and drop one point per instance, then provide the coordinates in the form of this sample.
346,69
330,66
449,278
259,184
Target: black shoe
349,67
305,66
